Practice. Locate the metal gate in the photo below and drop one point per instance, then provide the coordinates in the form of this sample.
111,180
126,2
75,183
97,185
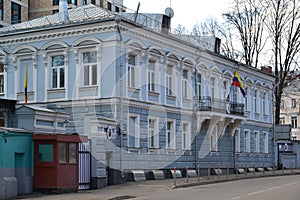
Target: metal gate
84,181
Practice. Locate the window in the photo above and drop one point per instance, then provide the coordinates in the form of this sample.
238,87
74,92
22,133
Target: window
237,140
294,122
256,142
58,71
169,84
84,2
109,6
185,84
131,70
265,141
1,10
293,103
247,141
72,153
199,86
89,68
62,152
212,88
186,136
282,120
1,79
134,139
152,134
151,76
93,1
55,2
246,100
255,102
15,13
45,152
264,106
225,92
170,136
282,103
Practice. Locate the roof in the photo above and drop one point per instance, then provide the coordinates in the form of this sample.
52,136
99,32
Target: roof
82,13
16,130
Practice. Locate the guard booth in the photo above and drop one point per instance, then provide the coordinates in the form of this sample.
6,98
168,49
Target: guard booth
56,162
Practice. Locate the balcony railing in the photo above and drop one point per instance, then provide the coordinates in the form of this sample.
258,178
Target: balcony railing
218,105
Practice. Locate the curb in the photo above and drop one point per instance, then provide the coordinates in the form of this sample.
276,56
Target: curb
207,182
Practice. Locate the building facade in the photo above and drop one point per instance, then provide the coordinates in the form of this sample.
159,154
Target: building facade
12,12
290,107
146,100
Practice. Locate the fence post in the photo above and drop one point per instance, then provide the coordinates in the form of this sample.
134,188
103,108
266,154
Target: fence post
292,166
254,170
174,176
198,170
218,174
282,165
187,175
237,170
263,169
208,172
245,170
273,168
227,170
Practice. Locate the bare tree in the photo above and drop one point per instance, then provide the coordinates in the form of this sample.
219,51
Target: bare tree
284,28
247,17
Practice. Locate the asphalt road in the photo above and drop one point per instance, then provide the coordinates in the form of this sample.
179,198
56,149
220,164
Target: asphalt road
269,188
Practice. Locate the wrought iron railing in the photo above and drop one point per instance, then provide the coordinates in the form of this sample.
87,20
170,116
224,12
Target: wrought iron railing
218,105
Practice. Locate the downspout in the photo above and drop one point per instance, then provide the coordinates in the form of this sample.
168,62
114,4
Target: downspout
118,20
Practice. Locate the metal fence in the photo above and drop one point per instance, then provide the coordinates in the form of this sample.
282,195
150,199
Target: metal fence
84,177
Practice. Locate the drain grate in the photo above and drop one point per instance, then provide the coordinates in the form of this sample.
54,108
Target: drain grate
122,197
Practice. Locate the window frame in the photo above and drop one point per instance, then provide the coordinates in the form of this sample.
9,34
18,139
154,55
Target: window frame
266,141
199,85
170,135
58,76
294,121
92,81
131,71
153,133
237,139
184,84
186,136
136,135
247,141
256,142
169,80
2,74
152,76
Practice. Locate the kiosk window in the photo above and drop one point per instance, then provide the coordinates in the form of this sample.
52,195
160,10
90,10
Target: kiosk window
45,152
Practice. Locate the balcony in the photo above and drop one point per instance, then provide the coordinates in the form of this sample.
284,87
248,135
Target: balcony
221,106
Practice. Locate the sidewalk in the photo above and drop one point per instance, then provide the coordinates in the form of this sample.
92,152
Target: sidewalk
131,190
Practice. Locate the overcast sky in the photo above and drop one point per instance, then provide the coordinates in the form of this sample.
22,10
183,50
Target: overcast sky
186,12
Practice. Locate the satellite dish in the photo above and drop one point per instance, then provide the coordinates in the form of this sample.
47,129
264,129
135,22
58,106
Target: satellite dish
169,12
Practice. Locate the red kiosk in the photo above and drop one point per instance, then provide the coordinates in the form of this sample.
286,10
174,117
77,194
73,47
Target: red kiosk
56,162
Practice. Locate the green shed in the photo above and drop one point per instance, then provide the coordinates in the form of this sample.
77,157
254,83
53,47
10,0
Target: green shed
16,162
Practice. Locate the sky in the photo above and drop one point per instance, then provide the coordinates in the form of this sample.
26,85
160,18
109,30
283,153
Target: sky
186,12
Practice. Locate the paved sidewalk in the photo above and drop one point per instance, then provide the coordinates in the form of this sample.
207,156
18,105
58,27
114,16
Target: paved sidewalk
130,190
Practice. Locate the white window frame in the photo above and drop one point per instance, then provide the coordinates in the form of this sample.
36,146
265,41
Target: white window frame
58,86
237,139
131,71
294,121
246,100
247,140
186,136
266,141
256,142
255,96
2,74
212,82
184,89
282,120
91,66
136,134
152,76
170,135
293,103
153,132
169,80
199,85
264,104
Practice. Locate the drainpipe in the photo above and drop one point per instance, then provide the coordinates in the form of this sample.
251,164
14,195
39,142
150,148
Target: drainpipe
121,124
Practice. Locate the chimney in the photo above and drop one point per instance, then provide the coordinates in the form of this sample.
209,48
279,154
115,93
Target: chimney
63,11
266,69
